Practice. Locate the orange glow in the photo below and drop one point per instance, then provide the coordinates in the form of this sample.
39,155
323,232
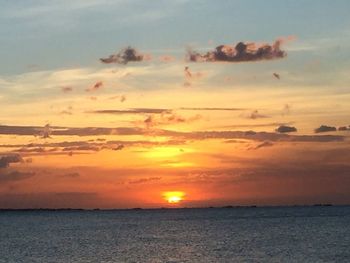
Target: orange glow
174,197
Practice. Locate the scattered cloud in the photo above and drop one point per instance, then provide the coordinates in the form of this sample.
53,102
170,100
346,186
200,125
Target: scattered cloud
285,129
241,52
118,147
286,109
145,180
262,145
325,128
66,89
167,58
125,56
277,76
98,85
133,111
256,115
14,176
210,109
7,159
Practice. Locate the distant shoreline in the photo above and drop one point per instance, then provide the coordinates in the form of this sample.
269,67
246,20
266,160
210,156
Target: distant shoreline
157,209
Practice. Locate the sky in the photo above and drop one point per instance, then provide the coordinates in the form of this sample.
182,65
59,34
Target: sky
123,104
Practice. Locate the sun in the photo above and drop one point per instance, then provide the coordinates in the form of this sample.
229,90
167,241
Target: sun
174,197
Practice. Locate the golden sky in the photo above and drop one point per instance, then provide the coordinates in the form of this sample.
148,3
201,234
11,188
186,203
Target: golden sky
178,122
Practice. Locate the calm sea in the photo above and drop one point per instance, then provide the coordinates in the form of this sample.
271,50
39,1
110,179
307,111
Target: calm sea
289,234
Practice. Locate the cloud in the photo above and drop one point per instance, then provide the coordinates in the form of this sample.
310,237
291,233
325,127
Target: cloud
167,58
125,56
276,75
241,52
210,109
198,135
14,176
119,147
66,131
133,111
189,76
261,145
71,175
66,89
256,115
254,136
285,129
166,119
286,109
98,85
7,159
46,131
325,128
121,98
66,112
145,180
57,200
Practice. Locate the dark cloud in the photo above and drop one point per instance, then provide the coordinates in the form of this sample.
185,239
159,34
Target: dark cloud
241,52
262,145
286,129
145,180
98,85
255,136
50,200
125,56
119,147
325,128
277,76
6,160
56,130
344,128
133,111
46,131
210,109
190,76
66,112
14,176
166,119
200,135
71,175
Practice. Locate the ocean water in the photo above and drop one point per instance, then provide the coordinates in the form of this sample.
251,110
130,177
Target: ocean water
279,234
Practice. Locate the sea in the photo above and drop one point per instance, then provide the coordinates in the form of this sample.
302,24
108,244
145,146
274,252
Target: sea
238,234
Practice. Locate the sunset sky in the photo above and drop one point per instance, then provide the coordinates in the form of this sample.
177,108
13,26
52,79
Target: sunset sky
86,122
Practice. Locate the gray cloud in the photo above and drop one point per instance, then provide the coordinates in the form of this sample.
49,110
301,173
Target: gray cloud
256,115
325,128
344,128
262,145
6,160
276,75
209,109
241,52
133,111
98,85
14,176
124,56
145,180
285,129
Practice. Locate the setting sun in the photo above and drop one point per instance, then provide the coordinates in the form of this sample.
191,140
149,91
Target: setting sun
174,197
